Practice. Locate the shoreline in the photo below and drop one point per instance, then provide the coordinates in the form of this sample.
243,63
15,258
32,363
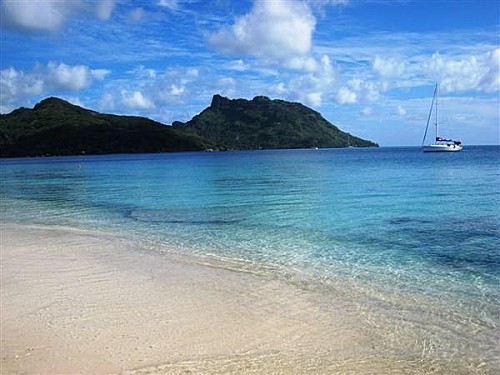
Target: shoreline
79,303
76,301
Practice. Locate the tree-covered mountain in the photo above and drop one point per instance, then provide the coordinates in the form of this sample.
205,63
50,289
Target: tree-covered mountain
263,123
56,127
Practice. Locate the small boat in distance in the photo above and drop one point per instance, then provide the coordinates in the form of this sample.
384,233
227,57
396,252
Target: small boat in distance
440,144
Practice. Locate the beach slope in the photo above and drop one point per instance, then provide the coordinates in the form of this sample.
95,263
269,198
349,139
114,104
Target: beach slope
83,302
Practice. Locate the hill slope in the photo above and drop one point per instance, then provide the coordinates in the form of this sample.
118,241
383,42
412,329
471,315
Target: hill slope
56,127
262,123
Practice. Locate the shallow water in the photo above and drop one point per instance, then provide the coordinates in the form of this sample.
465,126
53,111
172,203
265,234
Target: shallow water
412,239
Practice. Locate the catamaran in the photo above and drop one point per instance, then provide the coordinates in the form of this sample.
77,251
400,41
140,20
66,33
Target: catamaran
440,144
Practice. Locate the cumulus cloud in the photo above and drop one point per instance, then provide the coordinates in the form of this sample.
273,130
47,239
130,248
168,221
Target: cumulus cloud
136,100
147,89
46,15
313,98
345,96
357,90
277,30
309,88
73,78
389,67
477,72
481,73
49,15
490,80
16,85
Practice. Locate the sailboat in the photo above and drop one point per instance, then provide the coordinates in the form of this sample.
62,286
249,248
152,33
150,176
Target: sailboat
440,144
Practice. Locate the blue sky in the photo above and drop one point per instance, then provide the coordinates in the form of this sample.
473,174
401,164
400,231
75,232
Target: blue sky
368,66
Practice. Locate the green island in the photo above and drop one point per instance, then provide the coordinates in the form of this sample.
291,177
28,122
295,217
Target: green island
57,127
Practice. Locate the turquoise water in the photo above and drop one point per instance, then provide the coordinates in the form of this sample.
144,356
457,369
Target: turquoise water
401,230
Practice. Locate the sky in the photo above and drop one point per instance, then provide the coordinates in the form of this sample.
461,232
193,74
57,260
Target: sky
368,66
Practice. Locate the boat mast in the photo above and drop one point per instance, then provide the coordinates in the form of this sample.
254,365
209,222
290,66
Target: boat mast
437,95
434,97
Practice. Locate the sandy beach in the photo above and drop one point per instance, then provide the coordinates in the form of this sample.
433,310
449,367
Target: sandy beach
78,302
81,302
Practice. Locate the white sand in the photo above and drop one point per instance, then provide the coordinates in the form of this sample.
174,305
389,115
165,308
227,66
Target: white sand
83,302
80,302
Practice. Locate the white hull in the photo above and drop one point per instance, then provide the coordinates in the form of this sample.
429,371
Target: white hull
442,148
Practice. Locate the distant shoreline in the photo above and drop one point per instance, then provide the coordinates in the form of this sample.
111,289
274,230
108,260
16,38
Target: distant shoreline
380,148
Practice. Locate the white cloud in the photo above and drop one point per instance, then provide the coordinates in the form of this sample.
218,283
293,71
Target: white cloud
400,111
358,90
481,73
16,85
192,73
227,82
280,89
162,88
309,88
107,102
49,15
346,96
490,80
367,111
104,8
313,98
237,65
74,100
67,77
136,100
226,86
277,30
389,67
99,74
455,72
137,14
46,15
176,90
141,72
171,4
304,63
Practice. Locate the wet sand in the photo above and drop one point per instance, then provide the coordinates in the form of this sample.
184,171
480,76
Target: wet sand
82,302
78,302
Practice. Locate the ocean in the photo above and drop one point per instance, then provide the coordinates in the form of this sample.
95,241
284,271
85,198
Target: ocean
411,238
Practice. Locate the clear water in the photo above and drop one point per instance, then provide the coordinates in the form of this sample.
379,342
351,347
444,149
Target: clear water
399,231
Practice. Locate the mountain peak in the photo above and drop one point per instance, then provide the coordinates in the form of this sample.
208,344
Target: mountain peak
261,99
219,101
263,123
57,127
52,102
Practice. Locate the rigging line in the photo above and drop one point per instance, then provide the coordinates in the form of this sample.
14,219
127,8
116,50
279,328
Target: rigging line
430,114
